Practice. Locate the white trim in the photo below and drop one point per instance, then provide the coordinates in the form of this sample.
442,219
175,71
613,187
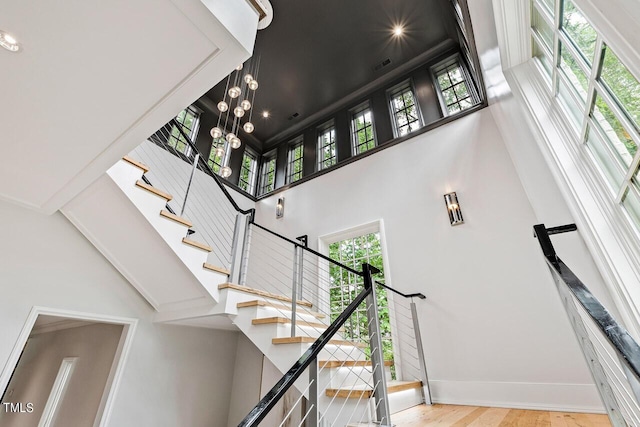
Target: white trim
57,391
120,358
558,397
609,237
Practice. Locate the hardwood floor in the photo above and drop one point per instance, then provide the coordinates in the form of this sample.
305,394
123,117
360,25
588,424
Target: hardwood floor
473,416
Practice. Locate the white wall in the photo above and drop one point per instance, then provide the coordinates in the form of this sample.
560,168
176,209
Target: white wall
493,327
94,346
173,376
247,380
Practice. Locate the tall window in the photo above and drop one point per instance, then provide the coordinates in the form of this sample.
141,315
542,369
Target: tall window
362,133
598,94
188,121
326,146
267,173
455,88
247,180
294,161
404,110
218,153
345,286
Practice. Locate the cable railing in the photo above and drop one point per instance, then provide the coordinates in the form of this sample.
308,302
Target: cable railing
612,355
349,360
284,266
198,193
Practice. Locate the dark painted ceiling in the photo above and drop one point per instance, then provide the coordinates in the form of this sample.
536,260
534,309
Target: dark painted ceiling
315,52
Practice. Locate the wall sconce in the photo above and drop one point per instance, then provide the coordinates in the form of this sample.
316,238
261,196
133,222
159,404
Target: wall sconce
453,207
280,207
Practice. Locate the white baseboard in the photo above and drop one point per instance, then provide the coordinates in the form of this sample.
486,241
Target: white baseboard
534,396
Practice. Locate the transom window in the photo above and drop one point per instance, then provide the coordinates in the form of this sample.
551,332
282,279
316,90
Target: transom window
294,161
267,173
455,88
596,91
188,121
362,133
326,146
247,180
404,110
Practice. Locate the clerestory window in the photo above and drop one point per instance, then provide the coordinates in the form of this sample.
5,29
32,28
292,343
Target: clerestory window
597,93
247,180
267,173
404,109
362,133
188,120
295,161
455,87
326,146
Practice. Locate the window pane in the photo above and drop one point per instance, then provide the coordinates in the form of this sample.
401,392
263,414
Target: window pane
624,86
604,160
550,5
617,136
632,205
579,30
543,59
574,73
575,111
404,111
542,28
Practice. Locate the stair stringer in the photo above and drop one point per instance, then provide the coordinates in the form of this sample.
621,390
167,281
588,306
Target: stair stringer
123,222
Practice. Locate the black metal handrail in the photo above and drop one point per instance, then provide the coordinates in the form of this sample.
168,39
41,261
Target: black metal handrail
626,347
415,295
210,171
263,407
303,245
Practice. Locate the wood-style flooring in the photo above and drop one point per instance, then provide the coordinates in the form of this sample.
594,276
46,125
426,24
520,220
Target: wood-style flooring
473,416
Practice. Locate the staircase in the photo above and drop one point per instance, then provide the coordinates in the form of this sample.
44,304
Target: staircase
185,272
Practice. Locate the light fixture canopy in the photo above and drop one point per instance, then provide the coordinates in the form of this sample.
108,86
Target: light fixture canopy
9,42
280,207
453,208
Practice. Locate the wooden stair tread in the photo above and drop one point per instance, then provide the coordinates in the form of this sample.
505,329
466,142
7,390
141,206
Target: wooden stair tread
365,391
154,190
309,340
215,268
349,363
284,320
261,293
261,303
136,163
196,244
176,218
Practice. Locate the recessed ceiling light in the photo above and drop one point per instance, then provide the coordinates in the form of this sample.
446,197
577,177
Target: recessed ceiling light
398,30
9,42
265,114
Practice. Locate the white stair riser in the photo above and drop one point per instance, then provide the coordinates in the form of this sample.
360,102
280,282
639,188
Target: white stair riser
345,377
